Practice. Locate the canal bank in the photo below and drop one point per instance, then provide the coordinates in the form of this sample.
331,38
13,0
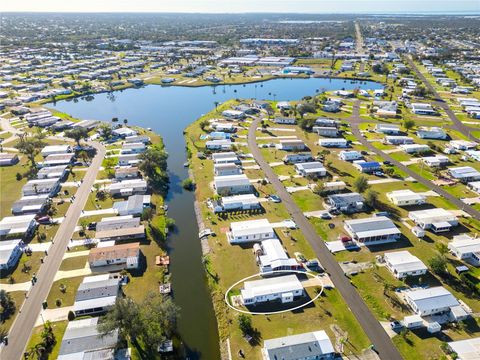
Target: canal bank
168,110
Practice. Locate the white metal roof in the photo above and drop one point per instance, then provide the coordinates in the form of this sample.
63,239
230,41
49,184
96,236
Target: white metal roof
403,261
249,227
432,298
280,284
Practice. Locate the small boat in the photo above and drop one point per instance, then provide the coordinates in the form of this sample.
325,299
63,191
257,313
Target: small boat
149,129
185,164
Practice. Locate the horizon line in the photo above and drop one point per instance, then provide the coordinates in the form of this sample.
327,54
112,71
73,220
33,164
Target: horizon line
406,12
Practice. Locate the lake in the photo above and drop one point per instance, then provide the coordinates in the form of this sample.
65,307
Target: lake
168,110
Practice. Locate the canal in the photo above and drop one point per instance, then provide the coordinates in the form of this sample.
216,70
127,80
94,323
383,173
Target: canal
168,110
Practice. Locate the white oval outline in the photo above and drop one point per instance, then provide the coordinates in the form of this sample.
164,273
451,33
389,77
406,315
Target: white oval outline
271,312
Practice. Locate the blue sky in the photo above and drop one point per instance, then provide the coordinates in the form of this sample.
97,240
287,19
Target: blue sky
235,6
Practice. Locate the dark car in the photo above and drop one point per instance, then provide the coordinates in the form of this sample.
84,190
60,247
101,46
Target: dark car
92,226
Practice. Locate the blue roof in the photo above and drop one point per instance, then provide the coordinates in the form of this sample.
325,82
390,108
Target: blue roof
368,164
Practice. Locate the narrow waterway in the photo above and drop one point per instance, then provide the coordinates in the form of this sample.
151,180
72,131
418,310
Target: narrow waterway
168,110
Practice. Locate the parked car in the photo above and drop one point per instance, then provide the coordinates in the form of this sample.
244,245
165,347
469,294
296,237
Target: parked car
326,216
44,220
274,198
396,325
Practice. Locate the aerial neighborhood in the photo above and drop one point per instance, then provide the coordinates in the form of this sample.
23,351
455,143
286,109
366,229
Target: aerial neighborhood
253,186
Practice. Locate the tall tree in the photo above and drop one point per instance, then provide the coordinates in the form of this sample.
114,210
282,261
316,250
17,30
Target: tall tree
77,134
361,184
30,147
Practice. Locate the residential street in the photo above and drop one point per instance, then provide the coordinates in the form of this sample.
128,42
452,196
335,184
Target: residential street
457,124
370,325
355,120
22,327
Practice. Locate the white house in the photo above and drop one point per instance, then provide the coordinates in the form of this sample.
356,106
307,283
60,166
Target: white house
227,169
219,144
235,203
423,109
291,145
55,150
387,129
44,186
468,349
127,187
19,226
312,169
134,205
398,140
334,142
431,301
314,345
128,160
273,257
225,157
415,148
232,185
233,114
405,198
436,161
431,133
438,219
285,121
466,248
297,158
283,288
250,231
464,174
10,253
350,155
133,148
403,264
473,154
372,231
96,294
332,132
475,186
463,145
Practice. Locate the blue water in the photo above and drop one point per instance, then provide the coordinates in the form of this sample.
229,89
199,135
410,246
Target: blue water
168,110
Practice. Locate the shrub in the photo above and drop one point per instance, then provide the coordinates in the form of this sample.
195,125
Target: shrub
18,176
58,302
71,315
188,184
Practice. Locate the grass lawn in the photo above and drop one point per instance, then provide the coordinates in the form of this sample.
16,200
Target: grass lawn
18,297
93,203
307,200
67,298
73,263
11,188
59,328
21,273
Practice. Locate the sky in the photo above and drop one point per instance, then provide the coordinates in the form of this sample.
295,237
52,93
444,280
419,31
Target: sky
241,6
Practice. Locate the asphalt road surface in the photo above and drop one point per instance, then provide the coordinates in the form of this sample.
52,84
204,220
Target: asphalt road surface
372,327
22,327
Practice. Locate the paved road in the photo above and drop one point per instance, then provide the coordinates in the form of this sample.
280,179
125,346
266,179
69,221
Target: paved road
354,122
370,325
457,124
22,327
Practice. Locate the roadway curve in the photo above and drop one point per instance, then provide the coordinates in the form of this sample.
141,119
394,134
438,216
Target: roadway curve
457,124
355,120
25,321
372,327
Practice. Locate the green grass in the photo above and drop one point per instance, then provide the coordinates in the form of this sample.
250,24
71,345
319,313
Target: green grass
18,297
11,188
58,331
18,273
74,263
67,298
